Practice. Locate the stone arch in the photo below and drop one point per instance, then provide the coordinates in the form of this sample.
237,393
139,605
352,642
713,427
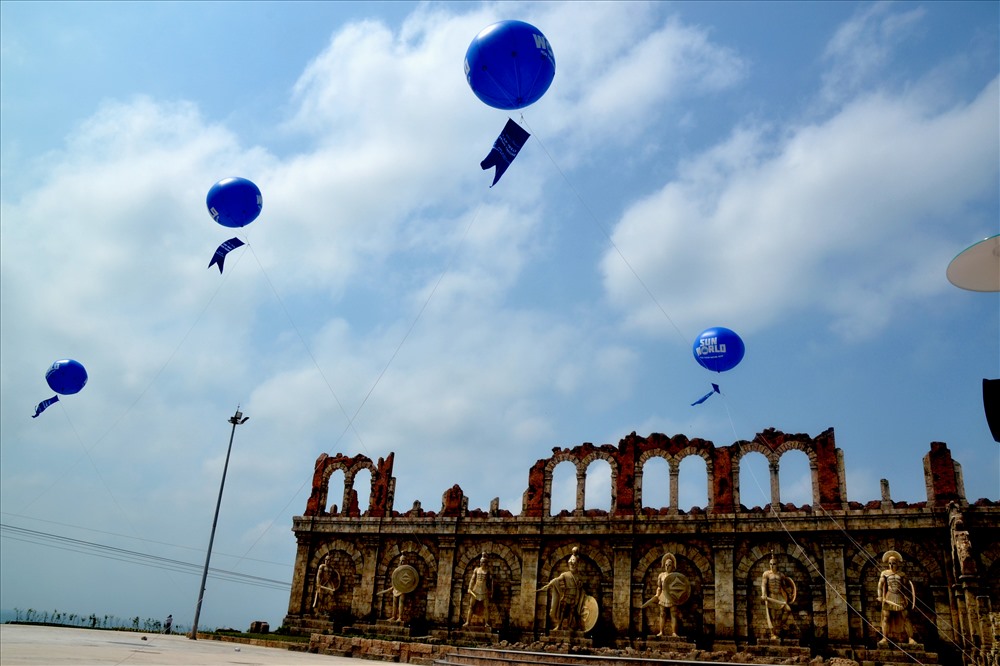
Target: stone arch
700,452
640,467
613,465
349,476
550,466
332,509
743,448
785,462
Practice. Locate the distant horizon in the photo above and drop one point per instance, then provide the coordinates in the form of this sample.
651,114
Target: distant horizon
10,615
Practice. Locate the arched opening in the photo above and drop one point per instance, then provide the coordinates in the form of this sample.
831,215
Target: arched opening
795,478
656,484
597,488
563,496
755,480
363,487
335,492
692,483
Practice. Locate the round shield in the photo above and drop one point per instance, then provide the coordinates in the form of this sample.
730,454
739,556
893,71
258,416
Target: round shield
677,587
588,614
404,579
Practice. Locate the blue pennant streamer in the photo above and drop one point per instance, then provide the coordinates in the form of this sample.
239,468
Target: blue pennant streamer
223,250
44,404
505,149
715,389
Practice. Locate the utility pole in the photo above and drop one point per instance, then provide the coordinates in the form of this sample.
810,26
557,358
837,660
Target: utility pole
236,419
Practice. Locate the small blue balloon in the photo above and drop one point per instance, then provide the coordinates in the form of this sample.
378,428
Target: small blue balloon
66,377
719,349
234,202
510,65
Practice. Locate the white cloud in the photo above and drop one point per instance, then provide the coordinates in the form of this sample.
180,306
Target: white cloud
752,230
863,46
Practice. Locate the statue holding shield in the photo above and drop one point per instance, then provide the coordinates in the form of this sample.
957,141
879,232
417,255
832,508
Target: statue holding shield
569,606
672,591
404,581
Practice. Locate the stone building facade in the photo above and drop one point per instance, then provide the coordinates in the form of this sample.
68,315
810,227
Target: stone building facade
832,549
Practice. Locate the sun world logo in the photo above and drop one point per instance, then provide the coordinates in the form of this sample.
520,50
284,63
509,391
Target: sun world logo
711,347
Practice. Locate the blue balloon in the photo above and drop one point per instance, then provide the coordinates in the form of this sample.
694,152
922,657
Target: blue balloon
234,202
719,349
66,377
510,65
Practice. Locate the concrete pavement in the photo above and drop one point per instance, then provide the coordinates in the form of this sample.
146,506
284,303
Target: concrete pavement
36,645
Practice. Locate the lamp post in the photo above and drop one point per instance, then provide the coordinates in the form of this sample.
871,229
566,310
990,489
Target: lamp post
236,419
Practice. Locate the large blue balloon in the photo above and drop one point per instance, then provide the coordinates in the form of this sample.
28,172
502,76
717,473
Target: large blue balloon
66,377
510,65
234,202
719,349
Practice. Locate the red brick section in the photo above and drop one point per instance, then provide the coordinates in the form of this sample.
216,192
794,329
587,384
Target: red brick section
534,495
314,506
944,480
381,485
451,502
381,505
722,487
828,471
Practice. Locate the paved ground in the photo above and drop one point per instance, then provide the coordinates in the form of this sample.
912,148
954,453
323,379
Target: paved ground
25,644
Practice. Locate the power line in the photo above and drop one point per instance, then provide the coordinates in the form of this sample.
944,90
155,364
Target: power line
151,541
133,557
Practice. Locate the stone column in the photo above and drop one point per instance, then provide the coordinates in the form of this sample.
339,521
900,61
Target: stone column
445,570
299,574
621,597
675,473
775,486
523,610
725,593
837,620
581,491
886,503
364,599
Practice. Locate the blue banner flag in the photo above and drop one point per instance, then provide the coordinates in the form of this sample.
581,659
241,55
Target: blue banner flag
715,389
44,404
505,149
223,250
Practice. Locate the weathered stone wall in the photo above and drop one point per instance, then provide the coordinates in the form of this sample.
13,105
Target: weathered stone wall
832,550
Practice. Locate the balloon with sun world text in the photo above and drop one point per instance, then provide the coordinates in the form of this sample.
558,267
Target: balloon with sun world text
718,349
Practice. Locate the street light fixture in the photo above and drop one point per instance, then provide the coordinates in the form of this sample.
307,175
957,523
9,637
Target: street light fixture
236,419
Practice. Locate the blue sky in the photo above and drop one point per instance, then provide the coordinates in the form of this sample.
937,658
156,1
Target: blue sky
802,173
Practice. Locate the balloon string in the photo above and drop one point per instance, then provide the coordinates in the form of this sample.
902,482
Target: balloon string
819,572
121,417
378,379
606,233
416,319
142,393
684,338
97,470
312,357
